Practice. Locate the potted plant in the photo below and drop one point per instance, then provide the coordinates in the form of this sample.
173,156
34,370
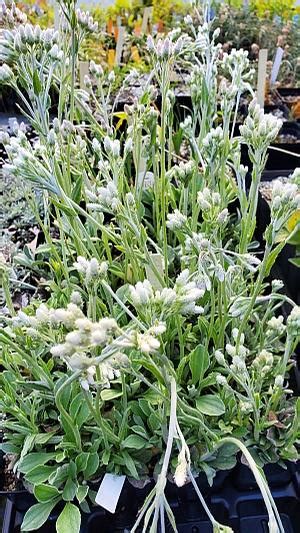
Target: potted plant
160,351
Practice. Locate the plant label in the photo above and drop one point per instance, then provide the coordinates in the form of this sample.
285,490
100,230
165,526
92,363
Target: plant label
109,492
262,74
57,16
145,179
276,64
120,44
83,71
147,16
159,265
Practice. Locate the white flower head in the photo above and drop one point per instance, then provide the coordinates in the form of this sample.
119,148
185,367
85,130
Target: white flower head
176,220
181,472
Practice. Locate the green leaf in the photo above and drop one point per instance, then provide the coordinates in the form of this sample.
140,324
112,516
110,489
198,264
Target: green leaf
8,447
76,193
199,363
211,405
135,441
295,261
81,461
35,459
45,493
273,256
37,515
81,493
110,394
92,465
37,86
105,457
79,410
69,519
129,463
40,474
70,489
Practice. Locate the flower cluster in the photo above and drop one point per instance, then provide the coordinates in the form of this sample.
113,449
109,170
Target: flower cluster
176,220
237,66
238,352
259,129
6,75
183,297
104,198
293,322
183,172
263,362
91,269
10,14
165,49
210,205
285,200
86,21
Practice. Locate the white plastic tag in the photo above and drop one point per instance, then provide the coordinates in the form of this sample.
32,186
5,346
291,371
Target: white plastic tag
109,492
261,79
276,64
145,180
84,67
120,44
57,16
147,15
159,265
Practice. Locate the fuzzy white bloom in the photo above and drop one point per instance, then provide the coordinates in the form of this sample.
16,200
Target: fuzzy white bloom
22,319
176,220
279,381
165,297
96,70
181,472
104,198
276,325
6,74
293,321
158,329
76,298
246,407
66,317
42,314
91,269
167,48
61,350
112,147
111,77
128,146
285,198
147,343
188,20
221,380
238,365
141,293
223,216
263,362
259,129
220,357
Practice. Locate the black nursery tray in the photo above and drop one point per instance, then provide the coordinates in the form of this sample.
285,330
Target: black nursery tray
236,502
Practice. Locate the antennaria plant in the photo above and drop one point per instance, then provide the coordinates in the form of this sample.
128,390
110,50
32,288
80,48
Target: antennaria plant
162,349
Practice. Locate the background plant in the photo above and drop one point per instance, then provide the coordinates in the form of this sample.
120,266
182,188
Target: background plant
160,316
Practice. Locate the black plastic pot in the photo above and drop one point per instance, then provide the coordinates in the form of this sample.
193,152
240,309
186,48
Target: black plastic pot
234,500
